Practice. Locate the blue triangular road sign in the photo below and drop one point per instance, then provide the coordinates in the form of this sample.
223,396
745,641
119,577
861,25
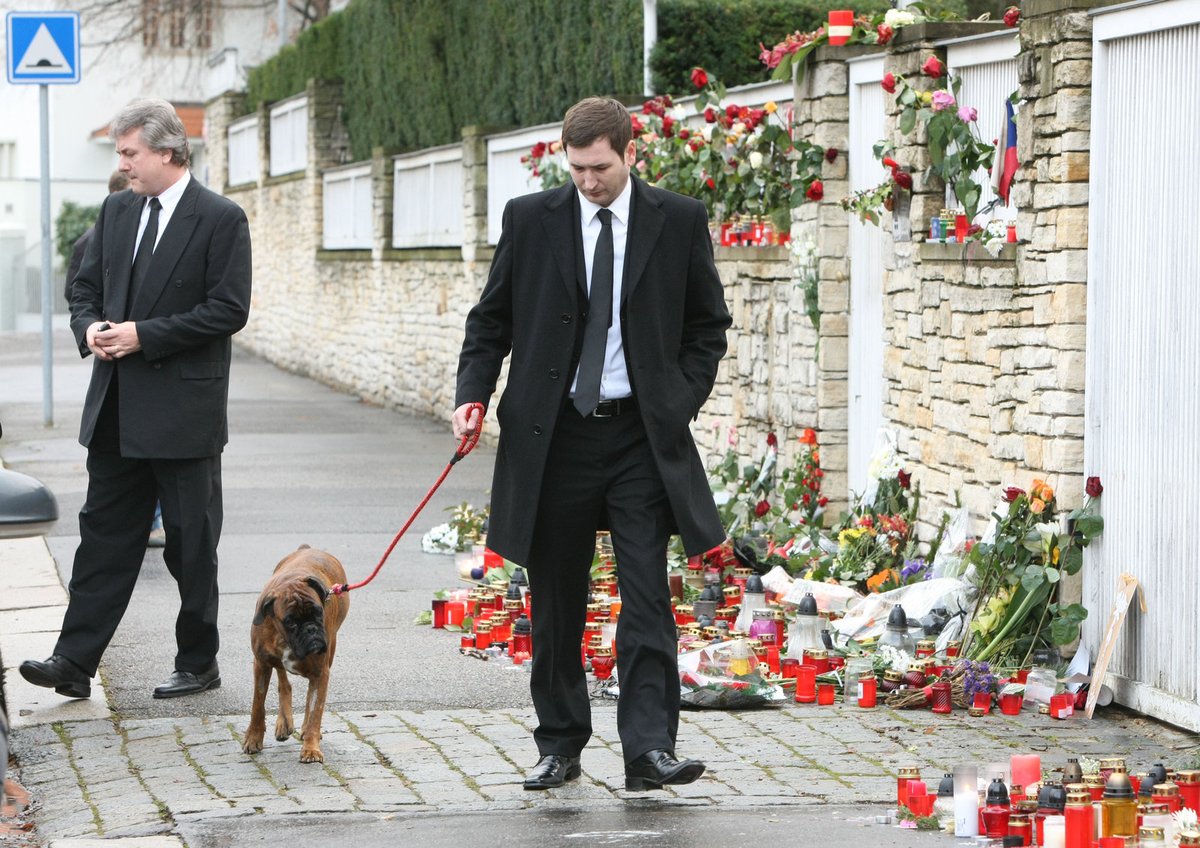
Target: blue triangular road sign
43,47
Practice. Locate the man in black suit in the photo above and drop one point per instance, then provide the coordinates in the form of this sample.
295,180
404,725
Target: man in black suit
163,286
606,294
118,181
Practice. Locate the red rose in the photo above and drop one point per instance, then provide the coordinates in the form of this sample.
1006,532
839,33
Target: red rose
884,33
709,182
772,440
762,509
889,162
1012,15
731,111
806,499
815,191
889,83
668,125
904,479
822,501
1093,487
683,134
808,437
1012,493
699,77
710,115
933,67
831,153
636,124
903,179
539,150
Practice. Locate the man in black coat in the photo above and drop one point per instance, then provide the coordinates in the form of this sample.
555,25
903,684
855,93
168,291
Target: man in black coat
118,181
606,295
163,286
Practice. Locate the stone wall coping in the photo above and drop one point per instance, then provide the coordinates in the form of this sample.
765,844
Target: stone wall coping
1040,8
942,30
973,251
348,166
326,255
757,254
423,254
246,186
280,179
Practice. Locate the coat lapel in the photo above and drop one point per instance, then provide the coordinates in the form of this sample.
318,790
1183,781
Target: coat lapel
119,266
646,221
166,255
560,220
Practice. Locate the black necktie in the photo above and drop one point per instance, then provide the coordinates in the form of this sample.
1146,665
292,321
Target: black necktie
145,251
595,334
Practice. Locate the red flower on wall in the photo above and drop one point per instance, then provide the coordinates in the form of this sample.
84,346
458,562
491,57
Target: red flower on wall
884,33
933,67
699,77
831,154
1012,16
889,83
762,508
1093,487
815,190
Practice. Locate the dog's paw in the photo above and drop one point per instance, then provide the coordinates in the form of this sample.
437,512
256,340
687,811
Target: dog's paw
253,743
283,730
311,755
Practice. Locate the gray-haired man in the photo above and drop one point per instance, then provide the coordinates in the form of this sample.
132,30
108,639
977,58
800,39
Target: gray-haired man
164,284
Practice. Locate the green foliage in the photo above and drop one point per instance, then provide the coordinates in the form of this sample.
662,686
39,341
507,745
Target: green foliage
72,221
723,36
417,71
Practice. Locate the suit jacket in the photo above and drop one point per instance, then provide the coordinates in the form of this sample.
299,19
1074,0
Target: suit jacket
195,296
673,322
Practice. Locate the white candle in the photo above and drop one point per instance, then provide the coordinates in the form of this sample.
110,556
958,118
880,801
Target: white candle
1054,832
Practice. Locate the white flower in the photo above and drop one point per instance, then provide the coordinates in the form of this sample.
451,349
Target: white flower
993,247
896,18
756,159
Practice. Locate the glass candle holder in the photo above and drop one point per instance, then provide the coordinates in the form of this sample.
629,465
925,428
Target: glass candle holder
788,666
961,225
867,691
943,698
1026,769
841,26
825,694
438,607
906,775
966,800
982,701
806,684
1010,703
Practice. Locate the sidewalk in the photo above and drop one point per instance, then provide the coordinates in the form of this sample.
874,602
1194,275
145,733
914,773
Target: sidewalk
412,729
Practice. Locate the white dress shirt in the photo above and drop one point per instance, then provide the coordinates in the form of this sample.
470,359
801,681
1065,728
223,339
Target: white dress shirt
614,380
169,199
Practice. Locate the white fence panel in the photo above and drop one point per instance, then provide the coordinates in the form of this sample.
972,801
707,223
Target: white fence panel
242,151
865,375
988,68
427,200
509,178
347,207
289,136
1143,350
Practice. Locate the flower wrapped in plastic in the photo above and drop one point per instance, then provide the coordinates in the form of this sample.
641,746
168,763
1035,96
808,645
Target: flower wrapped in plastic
725,676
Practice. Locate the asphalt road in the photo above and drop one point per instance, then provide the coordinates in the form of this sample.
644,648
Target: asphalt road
305,464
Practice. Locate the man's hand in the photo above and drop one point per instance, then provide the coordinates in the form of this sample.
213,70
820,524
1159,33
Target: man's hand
467,420
115,342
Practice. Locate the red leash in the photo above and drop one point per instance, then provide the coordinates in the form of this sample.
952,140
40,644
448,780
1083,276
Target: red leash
467,444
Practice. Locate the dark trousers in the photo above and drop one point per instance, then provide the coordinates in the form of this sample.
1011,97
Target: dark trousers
598,467
114,526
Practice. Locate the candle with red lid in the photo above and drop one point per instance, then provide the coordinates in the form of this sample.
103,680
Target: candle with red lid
841,26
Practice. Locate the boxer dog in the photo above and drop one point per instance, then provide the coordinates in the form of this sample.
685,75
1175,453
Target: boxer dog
295,631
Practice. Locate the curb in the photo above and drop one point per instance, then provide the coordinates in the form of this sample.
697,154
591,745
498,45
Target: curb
32,604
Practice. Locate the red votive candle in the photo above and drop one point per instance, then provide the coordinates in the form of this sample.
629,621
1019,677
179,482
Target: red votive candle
806,684
841,25
1010,703
825,694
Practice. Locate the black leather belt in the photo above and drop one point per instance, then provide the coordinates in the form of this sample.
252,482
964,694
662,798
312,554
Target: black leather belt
610,408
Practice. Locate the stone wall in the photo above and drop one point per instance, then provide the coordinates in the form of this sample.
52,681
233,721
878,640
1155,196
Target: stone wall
983,357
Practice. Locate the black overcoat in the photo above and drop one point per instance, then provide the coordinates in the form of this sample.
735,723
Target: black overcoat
195,296
673,322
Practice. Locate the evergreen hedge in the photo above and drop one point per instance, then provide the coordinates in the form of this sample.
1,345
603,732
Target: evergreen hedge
415,72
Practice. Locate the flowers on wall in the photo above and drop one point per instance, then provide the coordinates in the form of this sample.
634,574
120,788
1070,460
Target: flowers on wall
741,161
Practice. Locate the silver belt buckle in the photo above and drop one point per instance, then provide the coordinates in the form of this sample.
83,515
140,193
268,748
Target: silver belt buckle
598,414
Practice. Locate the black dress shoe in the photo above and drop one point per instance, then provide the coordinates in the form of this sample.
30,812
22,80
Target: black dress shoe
656,769
552,770
188,683
60,674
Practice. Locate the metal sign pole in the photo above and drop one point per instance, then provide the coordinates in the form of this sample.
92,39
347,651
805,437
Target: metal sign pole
47,270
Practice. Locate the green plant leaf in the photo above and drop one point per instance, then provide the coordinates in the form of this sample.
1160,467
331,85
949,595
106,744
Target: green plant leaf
1089,525
1072,560
1052,574
424,617
908,120
1076,612
1063,631
1033,577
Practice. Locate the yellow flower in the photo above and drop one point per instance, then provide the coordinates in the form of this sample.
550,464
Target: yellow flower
770,107
1054,555
926,97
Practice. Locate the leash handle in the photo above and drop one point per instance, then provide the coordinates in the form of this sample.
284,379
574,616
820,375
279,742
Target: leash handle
470,440
467,445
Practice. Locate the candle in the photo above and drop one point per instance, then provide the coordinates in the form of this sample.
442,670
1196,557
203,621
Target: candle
806,684
1026,769
825,694
841,25
966,800
1054,832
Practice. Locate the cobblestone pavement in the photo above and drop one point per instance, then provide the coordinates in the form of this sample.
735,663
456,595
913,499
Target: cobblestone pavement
135,777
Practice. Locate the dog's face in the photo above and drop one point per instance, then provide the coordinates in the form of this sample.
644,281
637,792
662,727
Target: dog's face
303,619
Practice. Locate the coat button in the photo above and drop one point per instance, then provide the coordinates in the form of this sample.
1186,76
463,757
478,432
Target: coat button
157,365
553,373
179,284
566,317
537,429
